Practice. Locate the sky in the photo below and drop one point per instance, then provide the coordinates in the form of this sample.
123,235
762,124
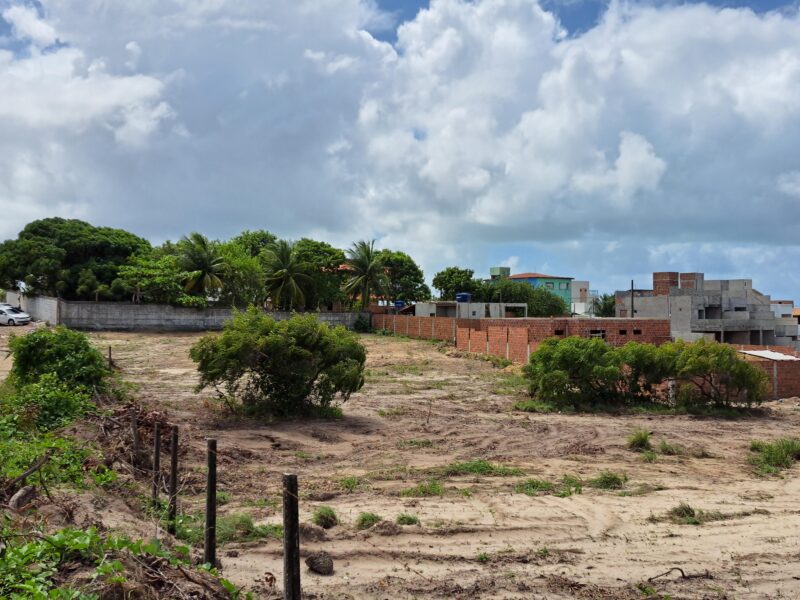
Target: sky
598,140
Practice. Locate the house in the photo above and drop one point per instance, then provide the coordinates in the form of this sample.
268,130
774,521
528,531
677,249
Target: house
560,286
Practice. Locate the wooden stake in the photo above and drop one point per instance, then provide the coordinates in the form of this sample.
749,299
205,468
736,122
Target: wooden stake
156,462
173,481
210,547
291,539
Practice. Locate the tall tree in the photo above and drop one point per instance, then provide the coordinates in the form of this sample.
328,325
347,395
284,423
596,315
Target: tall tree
366,272
324,266
604,306
244,277
453,280
286,275
254,242
405,279
203,262
544,303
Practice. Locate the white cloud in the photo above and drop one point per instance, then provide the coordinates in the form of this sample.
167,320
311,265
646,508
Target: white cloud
484,129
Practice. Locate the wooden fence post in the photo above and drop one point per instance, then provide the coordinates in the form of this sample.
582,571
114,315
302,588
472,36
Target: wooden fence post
156,462
172,515
210,546
291,539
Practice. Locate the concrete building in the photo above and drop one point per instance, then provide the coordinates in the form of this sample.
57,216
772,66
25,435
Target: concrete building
496,273
471,310
560,286
582,299
725,310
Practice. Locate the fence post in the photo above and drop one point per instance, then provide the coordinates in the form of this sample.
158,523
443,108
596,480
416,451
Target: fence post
110,362
291,539
172,515
210,546
156,462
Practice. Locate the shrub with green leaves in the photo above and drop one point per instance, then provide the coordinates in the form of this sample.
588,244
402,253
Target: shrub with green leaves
46,404
67,354
367,519
325,517
290,367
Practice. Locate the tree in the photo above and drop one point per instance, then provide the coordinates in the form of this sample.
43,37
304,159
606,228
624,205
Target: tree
366,272
454,280
50,256
604,306
254,242
405,280
544,303
203,263
244,277
324,264
292,367
286,275
153,278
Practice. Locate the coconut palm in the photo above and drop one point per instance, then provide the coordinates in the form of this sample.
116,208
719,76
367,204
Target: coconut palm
286,275
201,259
366,270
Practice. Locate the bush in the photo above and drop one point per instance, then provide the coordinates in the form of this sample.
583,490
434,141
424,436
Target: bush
47,404
639,440
771,457
67,354
362,324
407,519
287,367
367,519
325,517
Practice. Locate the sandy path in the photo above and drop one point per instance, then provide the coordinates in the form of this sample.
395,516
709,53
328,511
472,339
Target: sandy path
597,544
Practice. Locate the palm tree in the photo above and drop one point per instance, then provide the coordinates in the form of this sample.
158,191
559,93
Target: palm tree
366,272
203,263
286,275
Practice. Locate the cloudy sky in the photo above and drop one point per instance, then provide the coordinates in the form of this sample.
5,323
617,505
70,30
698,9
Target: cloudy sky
601,140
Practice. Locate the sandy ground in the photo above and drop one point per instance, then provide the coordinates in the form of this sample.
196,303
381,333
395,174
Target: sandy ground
480,539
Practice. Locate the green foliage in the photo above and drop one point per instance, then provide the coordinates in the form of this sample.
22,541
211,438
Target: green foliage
668,449
608,480
325,517
254,242
407,519
204,265
685,514
568,486
544,303
479,467
535,406
639,440
367,519
769,458
67,258
454,280
280,367
153,278
405,280
46,404
324,264
415,443
350,483
67,354
362,324
483,558
604,306
286,276
366,272
423,490
649,456
18,453
588,373
243,275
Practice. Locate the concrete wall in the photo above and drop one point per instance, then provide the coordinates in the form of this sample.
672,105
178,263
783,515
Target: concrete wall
118,316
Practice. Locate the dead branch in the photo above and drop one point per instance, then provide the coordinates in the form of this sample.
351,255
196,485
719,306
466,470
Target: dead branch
40,462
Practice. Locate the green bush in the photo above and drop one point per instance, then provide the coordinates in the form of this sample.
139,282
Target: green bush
47,404
770,457
407,519
639,440
287,367
367,519
325,517
67,354
362,324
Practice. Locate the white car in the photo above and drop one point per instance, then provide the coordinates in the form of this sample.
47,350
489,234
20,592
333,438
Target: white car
13,316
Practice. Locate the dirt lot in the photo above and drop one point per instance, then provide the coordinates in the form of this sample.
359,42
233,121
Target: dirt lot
422,410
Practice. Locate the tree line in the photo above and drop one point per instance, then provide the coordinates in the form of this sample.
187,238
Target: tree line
75,260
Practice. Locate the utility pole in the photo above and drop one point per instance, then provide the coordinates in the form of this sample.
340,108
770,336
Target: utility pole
633,311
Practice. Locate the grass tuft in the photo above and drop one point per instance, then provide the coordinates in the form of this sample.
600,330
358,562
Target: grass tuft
325,517
350,483
770,458
639,441
414,444
480,467
534,406
649,456
668,449
534,487
423,490
366,520
608,480
407,519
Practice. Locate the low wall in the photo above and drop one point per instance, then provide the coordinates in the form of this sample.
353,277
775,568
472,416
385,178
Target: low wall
118,316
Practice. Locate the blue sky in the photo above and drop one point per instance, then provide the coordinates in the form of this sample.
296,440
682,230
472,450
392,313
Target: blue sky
652,137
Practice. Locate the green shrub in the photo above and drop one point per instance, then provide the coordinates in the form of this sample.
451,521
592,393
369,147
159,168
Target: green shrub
362,324
366,520
771,457
649,456
325,517
608,480
639,440
280,367
479,467
668,449
422,490
65,353
65,465
350,483
46,404
407,519
534,487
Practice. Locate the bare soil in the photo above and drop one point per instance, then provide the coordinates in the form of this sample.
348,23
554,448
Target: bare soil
422,409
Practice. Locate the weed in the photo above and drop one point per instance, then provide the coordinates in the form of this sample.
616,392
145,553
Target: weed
392,413
534,487
407,519
465,492
350,483
483,558
686,515
223,498
479,467
263,503
325,517
535,406
411,369
639,441
649,456
366,520
570,484
668,449
429,488
303,455
771,457
609,480
647,590
509,384
414,444
230,528
542,552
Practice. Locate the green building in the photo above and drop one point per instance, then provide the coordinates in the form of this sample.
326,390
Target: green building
560,286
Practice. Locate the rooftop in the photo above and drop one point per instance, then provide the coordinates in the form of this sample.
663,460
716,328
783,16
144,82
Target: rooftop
537,276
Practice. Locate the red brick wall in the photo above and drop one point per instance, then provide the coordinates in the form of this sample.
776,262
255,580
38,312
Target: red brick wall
518,345
462,338
477,341
498,341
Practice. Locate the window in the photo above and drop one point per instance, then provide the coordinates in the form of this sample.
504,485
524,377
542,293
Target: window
549,285
701,313
637,332
559,332
562,286
623,332
597,333
739,308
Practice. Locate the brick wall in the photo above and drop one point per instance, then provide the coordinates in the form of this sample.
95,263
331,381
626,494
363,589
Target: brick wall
498,341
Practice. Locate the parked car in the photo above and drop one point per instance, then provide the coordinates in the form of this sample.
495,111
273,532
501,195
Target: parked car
13,316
